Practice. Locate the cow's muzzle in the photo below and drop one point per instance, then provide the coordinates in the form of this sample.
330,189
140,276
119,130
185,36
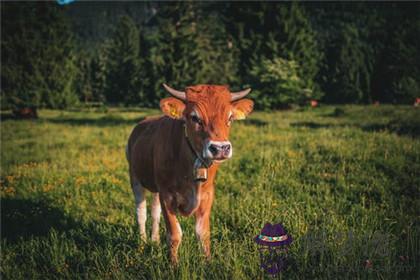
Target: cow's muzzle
217,150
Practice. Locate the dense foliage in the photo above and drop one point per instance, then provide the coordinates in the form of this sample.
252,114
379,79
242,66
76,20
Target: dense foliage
38,58
288,53
124,69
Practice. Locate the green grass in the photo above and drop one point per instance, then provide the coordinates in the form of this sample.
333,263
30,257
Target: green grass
343,180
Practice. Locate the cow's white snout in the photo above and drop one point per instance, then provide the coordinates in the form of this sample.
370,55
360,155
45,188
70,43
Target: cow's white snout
217,150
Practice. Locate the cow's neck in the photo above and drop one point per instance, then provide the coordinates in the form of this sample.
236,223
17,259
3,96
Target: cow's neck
181,155
188,191
201,165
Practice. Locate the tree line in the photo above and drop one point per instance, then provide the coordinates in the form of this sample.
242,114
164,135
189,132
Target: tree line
289,53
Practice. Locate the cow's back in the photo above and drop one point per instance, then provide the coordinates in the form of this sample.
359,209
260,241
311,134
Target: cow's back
151,149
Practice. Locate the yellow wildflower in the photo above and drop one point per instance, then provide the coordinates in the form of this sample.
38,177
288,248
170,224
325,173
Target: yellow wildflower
80,181
9,191
47,187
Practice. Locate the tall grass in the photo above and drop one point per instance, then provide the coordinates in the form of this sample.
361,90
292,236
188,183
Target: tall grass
344,181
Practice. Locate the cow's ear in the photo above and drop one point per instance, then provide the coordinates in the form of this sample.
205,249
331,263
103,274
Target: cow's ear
172,107
242,108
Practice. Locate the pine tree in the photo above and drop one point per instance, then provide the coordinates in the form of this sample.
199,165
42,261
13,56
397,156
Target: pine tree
124,68
276,35
98,74
37,56
280,82
83,86
212,54
396,77
351,39
298,43
349,68
191,46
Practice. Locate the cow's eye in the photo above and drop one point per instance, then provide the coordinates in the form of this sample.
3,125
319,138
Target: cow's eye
196,120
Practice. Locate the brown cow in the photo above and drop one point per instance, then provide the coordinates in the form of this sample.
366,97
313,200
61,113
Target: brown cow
176,157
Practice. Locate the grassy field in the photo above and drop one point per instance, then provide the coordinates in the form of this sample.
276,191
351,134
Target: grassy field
344,181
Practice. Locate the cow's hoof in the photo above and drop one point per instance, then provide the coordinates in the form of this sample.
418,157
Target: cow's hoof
143,237
156,239
141,246
174,261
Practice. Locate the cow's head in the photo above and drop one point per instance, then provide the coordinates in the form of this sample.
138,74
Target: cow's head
208,111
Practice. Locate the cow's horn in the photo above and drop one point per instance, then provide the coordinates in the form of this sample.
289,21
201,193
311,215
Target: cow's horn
240,94
176,93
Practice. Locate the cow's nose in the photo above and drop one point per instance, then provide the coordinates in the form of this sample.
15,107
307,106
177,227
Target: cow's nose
214,149
226,148
220,150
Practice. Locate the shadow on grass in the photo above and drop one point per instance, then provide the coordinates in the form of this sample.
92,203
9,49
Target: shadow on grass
255,122
116,120
101,122
400,128
109,120
410,129
315,125
7,116
25,219
338,112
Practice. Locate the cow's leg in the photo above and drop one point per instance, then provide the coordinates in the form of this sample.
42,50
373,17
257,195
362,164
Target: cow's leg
202,223
156,209
141,210
173,231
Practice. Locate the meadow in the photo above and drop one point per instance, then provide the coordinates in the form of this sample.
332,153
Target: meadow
343,180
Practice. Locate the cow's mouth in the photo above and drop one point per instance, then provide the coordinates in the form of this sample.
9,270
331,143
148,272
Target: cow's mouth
219,160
